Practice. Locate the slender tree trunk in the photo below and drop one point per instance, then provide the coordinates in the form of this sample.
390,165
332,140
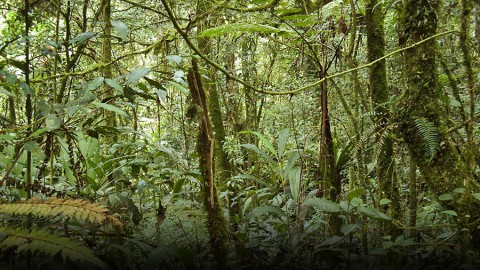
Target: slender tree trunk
217,227
379,95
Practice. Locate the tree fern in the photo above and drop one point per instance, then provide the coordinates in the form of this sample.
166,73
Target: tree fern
429,136
73,208
48,244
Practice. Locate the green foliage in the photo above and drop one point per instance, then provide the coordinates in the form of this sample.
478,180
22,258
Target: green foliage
50,245
429,135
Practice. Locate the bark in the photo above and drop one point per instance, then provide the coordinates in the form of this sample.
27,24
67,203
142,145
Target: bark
446,169
205,146
380,95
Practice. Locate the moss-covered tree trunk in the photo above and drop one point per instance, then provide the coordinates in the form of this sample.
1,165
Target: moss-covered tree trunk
205,146
422,118
380,95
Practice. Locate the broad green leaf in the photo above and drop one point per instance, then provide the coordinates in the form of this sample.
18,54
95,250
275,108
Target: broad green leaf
294,178
7,137
174,59
247,203
323,205
94,84
251,177
115,85
346,229
476,196
177,188
52,122
137,74
258,211
260,152
121,28
111,108
179,87
6,92
239,28
291,161
332,240
26,89
459,190
354,193
450,213
282,141
385,201
445,197
372,213
154,83
264,140
81,37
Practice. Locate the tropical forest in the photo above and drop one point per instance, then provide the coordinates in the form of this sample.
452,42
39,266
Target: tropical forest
239,134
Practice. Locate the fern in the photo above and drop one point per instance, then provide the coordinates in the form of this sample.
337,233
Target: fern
51,245
73,208
429,136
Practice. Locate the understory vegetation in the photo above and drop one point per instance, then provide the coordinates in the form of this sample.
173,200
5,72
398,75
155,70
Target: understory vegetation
242,134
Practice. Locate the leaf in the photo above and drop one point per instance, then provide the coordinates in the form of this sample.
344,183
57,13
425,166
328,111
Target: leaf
52,122
251,177
476,196
372,213
48,244
137,74
94,84
260,152
346,229
26,89
282,140
111,108
121,28
258,211
323,205
450,213
294,178
264,140
82,37
332,240
237,27
115,85
445,197
354,193
246,205
429,135
5,92
174,58
385,201
459,190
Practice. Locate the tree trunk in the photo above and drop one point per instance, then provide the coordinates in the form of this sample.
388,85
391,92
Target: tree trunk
379,95
421,115
205,146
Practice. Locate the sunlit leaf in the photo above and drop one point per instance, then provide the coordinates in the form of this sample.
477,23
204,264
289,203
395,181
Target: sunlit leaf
174,59
137,74
445,197
372,213
450,213
323,205
82,37
121,28
111,108
115,85
282,141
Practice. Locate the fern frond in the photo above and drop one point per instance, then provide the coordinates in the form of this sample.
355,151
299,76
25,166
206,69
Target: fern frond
73,208
429,136
48,244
